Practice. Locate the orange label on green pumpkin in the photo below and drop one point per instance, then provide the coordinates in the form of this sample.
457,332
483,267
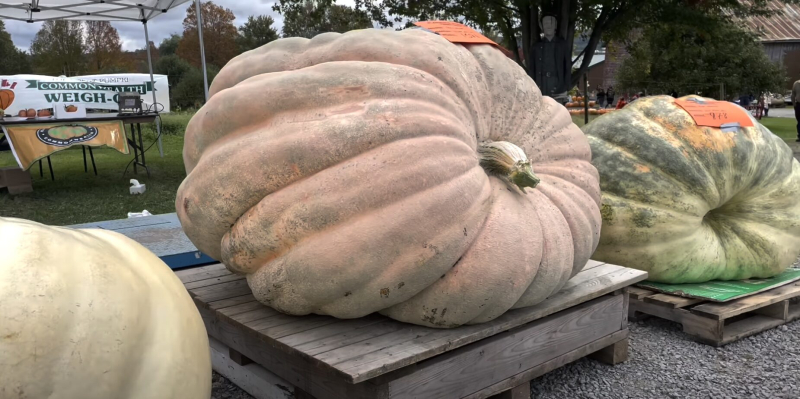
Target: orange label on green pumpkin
714,113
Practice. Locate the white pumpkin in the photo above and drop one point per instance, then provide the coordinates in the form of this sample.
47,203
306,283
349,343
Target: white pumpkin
92,314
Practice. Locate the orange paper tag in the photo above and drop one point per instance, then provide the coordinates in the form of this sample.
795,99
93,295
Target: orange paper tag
454,32
714,113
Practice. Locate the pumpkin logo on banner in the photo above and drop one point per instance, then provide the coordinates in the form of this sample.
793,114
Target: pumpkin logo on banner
66,135
6,98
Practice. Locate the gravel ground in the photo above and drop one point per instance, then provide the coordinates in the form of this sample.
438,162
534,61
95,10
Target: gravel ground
222,388
665,363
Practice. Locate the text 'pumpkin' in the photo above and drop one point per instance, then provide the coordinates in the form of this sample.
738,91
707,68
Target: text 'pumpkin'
691,204
389,171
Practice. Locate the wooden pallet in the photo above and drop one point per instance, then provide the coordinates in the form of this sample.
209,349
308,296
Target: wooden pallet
376,357
717,323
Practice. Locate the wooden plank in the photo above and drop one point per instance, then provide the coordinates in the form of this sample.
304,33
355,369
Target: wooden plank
778,310
747,327
550,365
700,327
794,311
336,330
213,281
592,264
242,308
626,300
304,323
201,273
639,293
390,342
612,354
252,378
222,291
300,371
721,311
224,303
259,313
416,344
672,301
522,391
328,344
238,358
470,369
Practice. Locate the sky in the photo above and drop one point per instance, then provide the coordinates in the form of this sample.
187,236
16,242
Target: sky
132,33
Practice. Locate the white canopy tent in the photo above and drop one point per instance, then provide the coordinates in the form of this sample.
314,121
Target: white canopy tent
103,10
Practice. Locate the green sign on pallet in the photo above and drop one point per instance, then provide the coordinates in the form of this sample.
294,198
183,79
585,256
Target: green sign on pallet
723,291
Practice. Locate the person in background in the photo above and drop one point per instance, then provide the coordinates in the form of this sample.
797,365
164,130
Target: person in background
601,97
765,100
796,103
744,101
610,96
674,94
621,104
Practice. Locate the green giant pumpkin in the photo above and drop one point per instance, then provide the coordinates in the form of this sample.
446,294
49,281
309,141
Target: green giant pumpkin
691,204
381,171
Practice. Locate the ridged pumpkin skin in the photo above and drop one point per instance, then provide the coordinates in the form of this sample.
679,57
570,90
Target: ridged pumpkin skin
341,174
690,204
91,314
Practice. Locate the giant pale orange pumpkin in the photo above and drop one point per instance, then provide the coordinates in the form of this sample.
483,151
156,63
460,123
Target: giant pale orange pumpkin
389,171
689,203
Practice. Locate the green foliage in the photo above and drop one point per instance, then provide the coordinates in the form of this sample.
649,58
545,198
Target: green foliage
169,46
12,60
58,48
696,60
256,32
518,20
189,92
307,18
219,35
175,68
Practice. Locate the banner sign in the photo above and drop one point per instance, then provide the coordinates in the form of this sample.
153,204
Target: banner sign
30,143
93,91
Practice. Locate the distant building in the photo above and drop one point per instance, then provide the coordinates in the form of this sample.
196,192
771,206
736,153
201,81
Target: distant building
596,72
780,36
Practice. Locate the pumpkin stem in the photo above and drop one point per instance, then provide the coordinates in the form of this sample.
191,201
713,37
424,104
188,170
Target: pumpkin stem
508,161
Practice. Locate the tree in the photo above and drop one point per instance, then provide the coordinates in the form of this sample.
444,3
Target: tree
219,35
518,20
169,46
256,32
175,68
137,59
190,92
693,60
307,18
103,47
12,60
58,48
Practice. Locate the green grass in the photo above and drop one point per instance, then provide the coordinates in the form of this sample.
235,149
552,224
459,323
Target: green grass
78,197
580,119
785,128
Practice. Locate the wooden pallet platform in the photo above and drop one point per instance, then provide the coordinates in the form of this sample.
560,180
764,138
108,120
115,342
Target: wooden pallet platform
376,357
717,323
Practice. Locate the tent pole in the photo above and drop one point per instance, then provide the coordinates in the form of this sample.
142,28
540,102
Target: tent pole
202,47
153,83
